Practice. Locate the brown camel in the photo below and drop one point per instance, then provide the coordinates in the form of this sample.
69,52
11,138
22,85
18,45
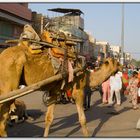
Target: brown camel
17,65
21,65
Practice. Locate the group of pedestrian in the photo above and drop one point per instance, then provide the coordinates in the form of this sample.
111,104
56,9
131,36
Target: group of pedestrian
117,86
112,86
121,84
132,89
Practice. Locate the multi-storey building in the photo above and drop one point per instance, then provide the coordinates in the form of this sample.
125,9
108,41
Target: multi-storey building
39,21
103,49
115,51
115,48
70,22
13,16
127,58
89,45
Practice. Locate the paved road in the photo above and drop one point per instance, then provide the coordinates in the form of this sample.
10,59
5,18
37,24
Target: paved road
101,120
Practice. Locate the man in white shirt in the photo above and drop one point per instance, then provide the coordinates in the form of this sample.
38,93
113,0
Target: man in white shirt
115,87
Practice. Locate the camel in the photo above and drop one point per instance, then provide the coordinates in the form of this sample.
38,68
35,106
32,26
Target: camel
19,66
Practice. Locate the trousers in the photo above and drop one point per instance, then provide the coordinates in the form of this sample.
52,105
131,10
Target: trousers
117,95
87,97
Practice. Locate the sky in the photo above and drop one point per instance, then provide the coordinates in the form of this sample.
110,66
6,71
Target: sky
104,21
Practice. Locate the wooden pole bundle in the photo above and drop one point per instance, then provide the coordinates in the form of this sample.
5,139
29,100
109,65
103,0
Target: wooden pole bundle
67,39
22,92
32,41
45,43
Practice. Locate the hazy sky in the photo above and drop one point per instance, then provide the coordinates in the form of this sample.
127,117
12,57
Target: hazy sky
103,21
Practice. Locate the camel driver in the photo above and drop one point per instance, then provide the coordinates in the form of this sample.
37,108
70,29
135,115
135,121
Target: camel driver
87,89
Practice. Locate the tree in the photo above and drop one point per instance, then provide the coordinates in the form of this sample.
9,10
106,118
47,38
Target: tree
136,63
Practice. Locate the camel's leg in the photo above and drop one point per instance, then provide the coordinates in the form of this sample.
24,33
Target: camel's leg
4,115
5,107
79,96
4,110
12,63
49,116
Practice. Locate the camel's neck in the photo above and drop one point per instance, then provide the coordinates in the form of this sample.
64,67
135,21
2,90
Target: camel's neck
99,76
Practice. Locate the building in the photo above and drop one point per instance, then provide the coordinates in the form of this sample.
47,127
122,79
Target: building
115,51
96,51
88,48
70,22
103,49
39,21
13,16
127,58
70,18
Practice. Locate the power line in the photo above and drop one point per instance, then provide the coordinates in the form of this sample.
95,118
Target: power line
134,52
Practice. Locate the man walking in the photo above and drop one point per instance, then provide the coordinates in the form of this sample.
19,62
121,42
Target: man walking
115,87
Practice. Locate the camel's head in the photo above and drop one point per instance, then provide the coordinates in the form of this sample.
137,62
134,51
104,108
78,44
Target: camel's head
108,67
113,64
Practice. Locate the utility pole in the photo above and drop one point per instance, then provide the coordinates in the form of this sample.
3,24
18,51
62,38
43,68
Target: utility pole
122,37
41,27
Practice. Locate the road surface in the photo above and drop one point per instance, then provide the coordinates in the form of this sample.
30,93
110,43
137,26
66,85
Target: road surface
102,121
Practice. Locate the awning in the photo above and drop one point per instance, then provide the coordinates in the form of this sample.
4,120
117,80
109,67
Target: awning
14,19
64,10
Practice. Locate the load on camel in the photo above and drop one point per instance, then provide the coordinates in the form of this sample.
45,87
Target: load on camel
21,65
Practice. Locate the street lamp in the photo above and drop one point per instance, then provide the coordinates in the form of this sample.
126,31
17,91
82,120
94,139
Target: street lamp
122,37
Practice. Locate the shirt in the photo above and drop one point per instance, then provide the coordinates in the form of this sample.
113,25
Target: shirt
125,79
116,82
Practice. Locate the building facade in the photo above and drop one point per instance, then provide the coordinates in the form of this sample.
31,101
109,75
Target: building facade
88,47
127,58
103,49
115,52
70,22
13,17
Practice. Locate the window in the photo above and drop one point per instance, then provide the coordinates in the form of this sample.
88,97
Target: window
6,29
17,31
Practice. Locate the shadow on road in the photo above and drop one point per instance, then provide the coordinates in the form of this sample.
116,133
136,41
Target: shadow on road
96,112
103,113
104,118
35,114
27,128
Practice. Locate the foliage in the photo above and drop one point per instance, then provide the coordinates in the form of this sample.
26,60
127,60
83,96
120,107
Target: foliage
135,62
